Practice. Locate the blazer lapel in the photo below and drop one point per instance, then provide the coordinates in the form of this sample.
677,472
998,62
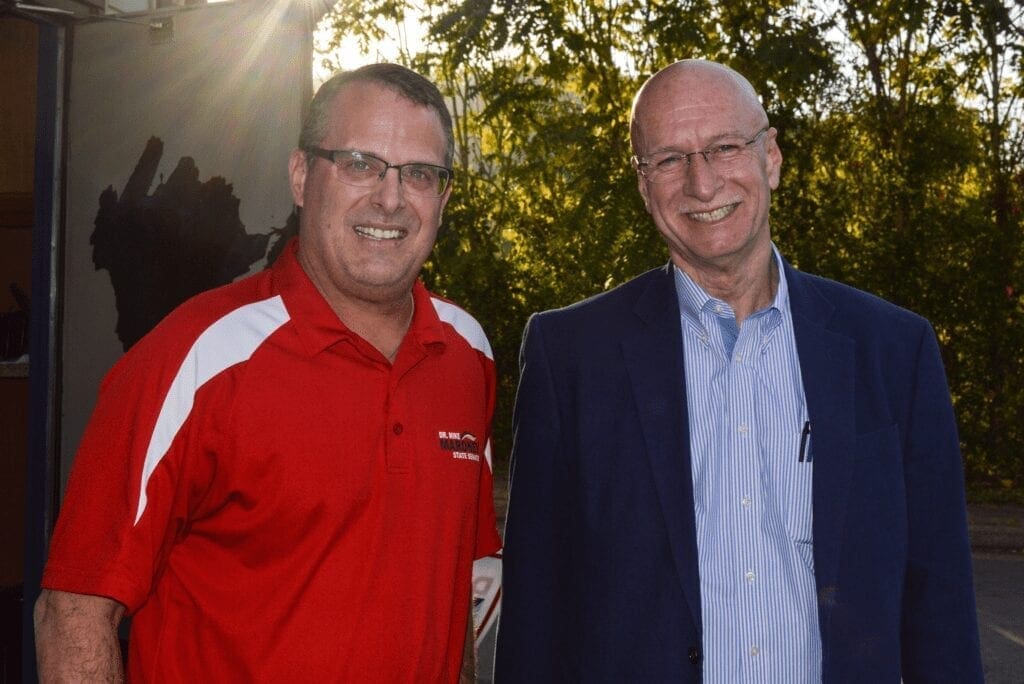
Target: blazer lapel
653,356
827,370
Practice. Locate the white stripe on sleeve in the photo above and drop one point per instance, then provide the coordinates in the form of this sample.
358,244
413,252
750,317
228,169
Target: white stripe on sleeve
228,341
465,325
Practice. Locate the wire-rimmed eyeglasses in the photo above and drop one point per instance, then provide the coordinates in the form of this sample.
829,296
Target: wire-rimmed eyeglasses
668,166
363,170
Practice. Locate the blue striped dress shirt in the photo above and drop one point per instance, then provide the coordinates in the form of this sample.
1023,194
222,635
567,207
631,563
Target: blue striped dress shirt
752,462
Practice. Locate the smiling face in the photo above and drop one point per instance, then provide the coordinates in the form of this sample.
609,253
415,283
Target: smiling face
367,245
712,219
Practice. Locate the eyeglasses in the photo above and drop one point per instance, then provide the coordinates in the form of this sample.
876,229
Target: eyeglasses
364,170
669,166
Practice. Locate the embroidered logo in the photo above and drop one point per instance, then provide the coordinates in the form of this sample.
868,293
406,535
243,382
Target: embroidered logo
462,445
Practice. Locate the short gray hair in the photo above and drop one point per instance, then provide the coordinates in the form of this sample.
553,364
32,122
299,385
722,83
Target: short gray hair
400,79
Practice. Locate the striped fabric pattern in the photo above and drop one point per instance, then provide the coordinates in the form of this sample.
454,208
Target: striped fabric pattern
752,491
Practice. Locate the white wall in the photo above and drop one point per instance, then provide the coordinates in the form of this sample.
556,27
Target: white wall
227,89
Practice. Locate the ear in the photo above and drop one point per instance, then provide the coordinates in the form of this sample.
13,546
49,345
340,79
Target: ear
773,159
444,200
297,169
641,185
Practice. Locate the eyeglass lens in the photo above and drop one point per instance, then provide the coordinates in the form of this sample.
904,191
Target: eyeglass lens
364,170
671,165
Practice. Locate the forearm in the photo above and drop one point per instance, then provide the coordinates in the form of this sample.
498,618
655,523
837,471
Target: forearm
76,638
468,674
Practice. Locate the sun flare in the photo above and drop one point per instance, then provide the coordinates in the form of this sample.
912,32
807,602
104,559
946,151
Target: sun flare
400,37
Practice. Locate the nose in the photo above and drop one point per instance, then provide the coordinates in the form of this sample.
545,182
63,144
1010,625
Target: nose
701,179
387,192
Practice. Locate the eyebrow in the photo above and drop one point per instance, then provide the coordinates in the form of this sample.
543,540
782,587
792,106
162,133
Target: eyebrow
717,137
380,158
691,150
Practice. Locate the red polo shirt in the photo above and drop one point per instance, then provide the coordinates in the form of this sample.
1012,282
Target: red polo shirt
274,501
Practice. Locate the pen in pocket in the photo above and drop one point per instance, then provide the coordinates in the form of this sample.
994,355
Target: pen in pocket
805,443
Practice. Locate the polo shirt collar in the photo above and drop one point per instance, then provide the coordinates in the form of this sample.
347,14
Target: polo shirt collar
426,328
319,327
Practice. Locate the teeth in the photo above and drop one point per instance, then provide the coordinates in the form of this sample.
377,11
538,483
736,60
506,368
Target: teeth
378,233
716,215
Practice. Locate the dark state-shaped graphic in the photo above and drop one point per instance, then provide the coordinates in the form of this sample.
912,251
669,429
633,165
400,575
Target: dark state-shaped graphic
162,248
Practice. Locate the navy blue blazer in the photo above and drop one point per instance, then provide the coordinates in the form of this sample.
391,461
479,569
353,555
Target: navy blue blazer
600,579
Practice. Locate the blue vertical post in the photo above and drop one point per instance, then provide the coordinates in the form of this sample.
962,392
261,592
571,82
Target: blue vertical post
42,475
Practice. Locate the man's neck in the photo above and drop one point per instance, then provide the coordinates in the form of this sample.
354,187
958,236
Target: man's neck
382,324
745,290
384,327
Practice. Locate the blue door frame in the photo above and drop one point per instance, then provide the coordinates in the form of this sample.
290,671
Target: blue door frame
42,477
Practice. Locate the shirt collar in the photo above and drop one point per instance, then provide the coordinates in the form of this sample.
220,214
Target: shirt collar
426,329
693,299
781,302
315,321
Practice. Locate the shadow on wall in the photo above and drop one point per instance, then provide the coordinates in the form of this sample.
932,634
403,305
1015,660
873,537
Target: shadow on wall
164,247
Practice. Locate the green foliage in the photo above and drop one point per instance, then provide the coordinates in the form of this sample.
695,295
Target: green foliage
900,125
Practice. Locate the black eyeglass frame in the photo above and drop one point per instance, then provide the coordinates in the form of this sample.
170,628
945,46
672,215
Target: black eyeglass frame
444,173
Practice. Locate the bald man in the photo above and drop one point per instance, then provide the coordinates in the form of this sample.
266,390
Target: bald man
726,470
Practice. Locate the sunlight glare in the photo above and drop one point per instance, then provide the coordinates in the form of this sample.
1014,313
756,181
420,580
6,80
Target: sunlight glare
406,37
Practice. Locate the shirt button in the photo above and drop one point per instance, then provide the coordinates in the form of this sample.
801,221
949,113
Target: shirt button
738,358
749,576
743,428
397,428
745,502
754,650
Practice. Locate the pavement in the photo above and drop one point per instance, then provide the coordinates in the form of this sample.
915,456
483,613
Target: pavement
996,528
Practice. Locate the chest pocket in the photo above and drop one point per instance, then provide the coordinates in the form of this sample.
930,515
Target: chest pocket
788,478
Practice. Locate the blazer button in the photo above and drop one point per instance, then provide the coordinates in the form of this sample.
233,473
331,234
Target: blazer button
694,655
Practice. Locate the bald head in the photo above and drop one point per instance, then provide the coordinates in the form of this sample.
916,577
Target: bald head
706,163
694,84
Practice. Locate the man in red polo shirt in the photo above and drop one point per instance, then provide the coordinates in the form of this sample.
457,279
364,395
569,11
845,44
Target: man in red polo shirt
288,479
